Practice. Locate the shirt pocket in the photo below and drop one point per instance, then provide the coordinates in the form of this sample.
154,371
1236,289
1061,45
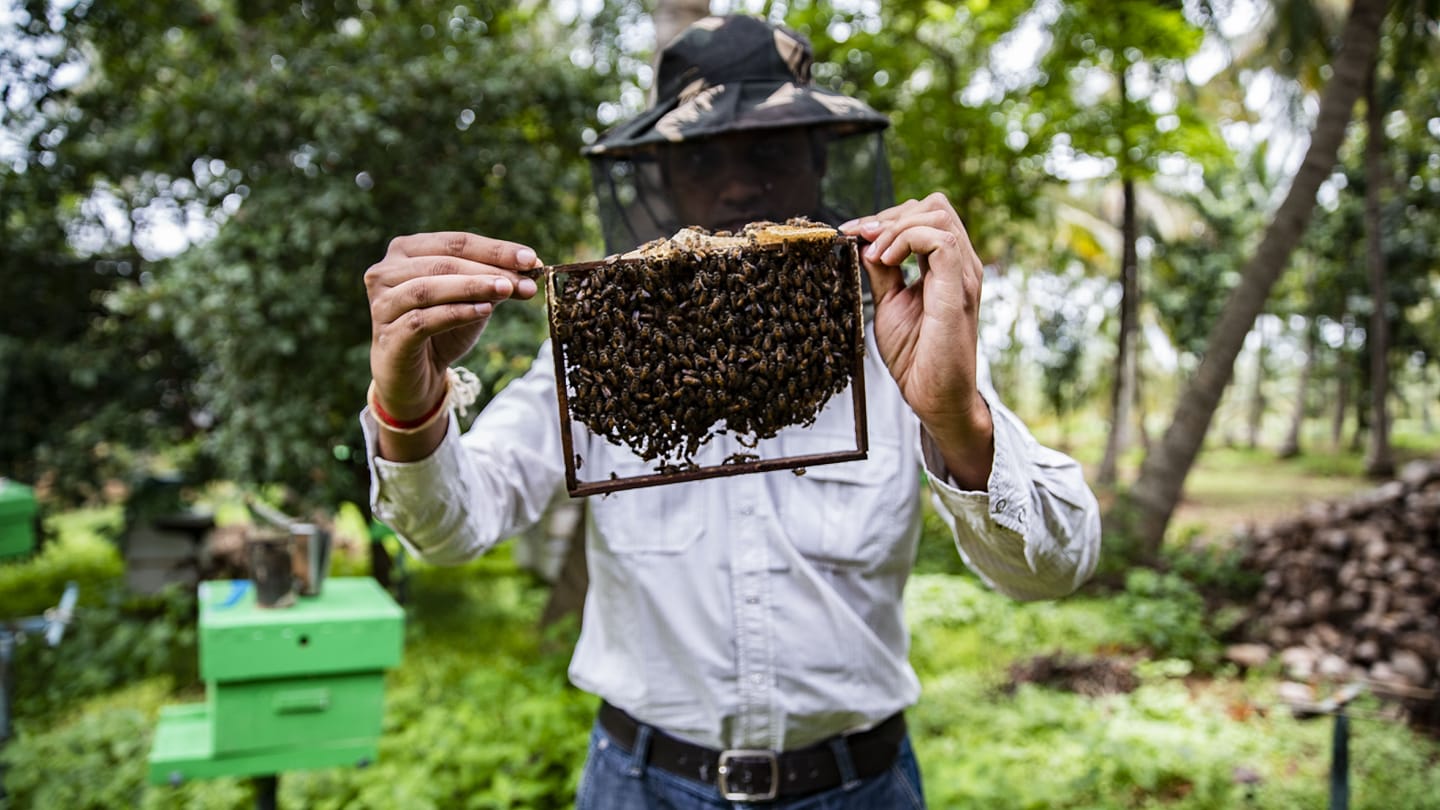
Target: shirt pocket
664,519
853,513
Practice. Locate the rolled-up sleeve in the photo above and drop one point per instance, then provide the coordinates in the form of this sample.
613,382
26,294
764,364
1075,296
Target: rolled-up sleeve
1035,532
478,488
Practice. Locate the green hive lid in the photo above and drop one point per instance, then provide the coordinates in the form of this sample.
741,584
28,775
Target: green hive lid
16,497
352,626
17,516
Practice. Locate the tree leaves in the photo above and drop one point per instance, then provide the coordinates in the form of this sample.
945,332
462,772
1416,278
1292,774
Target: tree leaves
309,135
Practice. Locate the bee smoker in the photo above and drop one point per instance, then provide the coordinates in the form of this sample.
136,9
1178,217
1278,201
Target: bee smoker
310,557
287,557
271,559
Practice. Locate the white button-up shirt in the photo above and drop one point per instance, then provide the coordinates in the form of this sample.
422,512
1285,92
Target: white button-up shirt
752,611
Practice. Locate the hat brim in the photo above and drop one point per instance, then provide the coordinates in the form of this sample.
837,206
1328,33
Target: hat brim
738,107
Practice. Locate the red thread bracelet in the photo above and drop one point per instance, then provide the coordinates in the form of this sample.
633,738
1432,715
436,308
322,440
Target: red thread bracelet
406,424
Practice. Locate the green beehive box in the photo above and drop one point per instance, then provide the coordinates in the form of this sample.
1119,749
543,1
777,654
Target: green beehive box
256,715
352,626
298,675
17,519
286,688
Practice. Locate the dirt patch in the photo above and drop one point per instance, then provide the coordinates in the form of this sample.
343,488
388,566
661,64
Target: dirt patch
1091,677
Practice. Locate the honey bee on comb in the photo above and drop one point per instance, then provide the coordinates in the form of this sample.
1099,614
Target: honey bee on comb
684,338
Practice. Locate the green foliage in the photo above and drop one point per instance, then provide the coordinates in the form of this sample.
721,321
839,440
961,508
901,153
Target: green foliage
479,714
1215,568
81,554
914,61
1192,276
114,639
1168,616
1061,359
962,628
1176,742
1124,41
75,390
100,750
361,122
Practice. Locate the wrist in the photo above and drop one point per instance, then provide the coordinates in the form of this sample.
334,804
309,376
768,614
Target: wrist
389,419
966,444
414,421
460,389
969,429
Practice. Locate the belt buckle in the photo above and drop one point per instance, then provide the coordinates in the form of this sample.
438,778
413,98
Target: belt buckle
722,778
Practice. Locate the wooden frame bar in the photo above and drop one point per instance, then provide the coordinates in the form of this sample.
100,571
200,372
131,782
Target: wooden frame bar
578,488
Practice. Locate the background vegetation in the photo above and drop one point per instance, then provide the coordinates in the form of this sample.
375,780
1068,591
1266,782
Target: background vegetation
1210,231
479,713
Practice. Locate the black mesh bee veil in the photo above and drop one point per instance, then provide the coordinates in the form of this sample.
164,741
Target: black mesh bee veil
635,205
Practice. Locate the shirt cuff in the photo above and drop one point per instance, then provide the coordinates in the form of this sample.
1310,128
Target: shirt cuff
1004,500
410,482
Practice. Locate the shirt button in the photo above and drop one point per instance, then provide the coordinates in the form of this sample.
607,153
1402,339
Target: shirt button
757,677
747,510
1000,505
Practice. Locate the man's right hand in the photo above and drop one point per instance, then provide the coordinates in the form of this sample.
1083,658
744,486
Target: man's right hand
430,298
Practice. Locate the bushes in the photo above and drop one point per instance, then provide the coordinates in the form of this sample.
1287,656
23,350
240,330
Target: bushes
114,639
100,749
82,553
480,713
1176,742
1168,617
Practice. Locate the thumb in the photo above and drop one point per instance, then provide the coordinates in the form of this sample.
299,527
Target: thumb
884,279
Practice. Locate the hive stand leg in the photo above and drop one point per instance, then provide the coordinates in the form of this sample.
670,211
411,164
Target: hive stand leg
1340,764
266,788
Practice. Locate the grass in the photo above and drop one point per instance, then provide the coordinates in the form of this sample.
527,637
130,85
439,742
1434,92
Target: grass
479,712
1178,741
1236,488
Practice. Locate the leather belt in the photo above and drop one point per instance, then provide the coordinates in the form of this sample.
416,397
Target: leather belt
761,775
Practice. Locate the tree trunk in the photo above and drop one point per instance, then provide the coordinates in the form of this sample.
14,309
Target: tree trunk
1122,394
1342,389
1291,447
1427,421
1362,424
1256,412
1379,461
673,16
1149,506
1142,413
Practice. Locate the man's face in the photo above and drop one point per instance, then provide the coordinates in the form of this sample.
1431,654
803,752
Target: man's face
724,182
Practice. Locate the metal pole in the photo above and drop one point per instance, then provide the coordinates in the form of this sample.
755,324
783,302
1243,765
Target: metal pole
1340,764
266,788
7,651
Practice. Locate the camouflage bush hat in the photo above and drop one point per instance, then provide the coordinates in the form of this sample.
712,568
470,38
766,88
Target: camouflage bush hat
727,74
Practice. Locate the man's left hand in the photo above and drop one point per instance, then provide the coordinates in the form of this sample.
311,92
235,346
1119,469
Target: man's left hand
928,329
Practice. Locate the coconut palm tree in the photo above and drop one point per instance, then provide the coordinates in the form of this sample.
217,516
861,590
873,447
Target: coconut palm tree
1098,40
1146,510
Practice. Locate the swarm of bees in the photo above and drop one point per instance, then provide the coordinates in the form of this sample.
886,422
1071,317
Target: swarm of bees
700,334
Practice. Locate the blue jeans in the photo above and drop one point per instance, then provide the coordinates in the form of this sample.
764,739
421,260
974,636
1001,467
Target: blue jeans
615,779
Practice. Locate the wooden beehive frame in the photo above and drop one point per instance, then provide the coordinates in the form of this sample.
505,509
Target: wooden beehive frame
578,488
